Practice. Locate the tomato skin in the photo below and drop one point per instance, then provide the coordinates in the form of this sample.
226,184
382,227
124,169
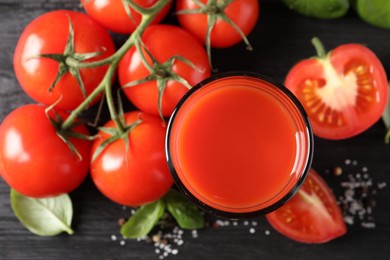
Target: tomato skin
352,106
112,14
163,42
35,161
244,13
139,175
48,34
316,221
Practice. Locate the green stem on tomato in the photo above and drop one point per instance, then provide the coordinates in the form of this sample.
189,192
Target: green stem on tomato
320,49
111,105
113,60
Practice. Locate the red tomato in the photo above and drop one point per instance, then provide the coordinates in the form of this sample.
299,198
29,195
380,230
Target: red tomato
243,13
163,42
35,160
140,174
48,34
113,16
312,215
344,92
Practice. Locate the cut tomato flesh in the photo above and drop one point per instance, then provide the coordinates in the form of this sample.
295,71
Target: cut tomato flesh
312,215
344,92
337,98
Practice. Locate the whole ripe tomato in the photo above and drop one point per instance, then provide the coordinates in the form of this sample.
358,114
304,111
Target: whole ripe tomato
344,91
35,160
113,15
243,13
48,34
163,42
138,174
312,215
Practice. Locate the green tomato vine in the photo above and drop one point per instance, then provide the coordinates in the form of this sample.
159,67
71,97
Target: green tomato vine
148,14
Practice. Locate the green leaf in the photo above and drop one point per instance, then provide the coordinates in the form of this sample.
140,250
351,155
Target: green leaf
375,12
43,217
323,9
143,220
183,211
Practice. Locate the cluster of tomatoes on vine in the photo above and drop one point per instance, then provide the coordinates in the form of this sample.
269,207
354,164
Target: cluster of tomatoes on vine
67,62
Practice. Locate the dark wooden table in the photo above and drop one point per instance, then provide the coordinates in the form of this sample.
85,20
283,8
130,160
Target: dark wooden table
280,39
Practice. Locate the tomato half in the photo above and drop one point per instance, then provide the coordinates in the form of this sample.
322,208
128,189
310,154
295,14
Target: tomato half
113,16
35,160
138,174
344,92
243,13
48,34
312,215
163,42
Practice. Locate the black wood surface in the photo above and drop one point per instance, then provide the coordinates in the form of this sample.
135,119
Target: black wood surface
280,39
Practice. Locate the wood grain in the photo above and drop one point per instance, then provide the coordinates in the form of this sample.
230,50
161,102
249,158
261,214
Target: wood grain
280,39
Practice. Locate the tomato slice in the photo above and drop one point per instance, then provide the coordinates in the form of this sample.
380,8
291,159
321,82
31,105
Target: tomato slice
312,215
344,91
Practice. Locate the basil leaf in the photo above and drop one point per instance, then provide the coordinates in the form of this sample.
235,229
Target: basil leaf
324,9
375,12
143,220
183,211
44,216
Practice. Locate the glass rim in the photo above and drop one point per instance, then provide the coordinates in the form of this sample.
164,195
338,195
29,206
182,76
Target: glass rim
279,202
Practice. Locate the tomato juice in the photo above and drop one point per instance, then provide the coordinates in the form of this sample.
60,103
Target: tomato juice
239,144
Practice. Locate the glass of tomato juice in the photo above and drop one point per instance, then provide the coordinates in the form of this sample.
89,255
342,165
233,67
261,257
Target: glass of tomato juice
239,145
